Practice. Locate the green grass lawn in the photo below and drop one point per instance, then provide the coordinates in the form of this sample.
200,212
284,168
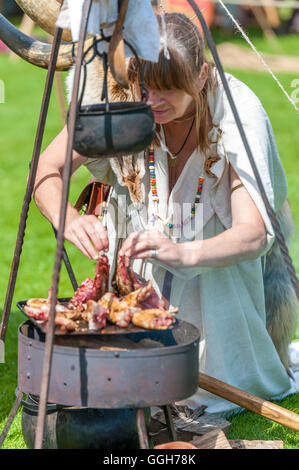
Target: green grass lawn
18,121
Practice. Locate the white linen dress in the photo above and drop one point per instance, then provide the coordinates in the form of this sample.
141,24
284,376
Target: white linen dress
226,304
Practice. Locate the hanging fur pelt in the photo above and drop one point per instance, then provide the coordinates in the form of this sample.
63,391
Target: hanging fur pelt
280,298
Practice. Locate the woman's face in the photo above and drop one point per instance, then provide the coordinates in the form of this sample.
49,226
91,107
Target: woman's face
168,105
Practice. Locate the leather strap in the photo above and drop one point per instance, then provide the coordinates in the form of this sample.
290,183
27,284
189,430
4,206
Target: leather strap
93,196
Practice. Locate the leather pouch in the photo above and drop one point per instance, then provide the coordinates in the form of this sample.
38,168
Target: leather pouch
91,199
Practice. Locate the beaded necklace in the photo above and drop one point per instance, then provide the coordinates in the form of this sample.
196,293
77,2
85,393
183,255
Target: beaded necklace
155,197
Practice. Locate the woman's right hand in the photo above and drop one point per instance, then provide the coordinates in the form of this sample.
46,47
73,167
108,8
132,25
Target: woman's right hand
87,233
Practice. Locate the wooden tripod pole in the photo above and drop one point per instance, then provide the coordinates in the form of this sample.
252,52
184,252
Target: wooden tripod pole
250,402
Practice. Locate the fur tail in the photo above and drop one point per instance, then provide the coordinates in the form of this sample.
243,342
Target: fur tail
280,297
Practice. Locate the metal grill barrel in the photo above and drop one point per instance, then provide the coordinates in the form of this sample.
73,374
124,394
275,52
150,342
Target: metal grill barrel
136,378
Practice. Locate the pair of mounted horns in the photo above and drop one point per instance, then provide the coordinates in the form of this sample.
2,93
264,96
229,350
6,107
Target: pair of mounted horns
44,13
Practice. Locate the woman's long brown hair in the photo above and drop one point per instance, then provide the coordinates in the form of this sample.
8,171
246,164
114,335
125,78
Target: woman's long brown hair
186,50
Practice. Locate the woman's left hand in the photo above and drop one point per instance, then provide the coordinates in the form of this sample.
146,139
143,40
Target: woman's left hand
140,244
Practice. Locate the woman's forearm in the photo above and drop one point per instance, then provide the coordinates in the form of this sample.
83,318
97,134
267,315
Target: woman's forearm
48,186
240,243
48,193
86,232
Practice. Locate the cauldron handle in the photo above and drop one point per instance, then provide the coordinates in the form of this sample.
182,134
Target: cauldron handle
103,56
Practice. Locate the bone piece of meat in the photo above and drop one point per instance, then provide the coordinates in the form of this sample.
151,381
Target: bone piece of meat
41,313
119,312
121,318
125,280
39,309
37,313
65,323
36,303
154,302
84,293
122,309
101,279
92,289
153,319
96,315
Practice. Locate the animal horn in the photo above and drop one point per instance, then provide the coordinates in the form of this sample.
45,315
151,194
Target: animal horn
45,14
31,50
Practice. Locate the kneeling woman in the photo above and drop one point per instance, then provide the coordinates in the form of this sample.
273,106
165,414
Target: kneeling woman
197,225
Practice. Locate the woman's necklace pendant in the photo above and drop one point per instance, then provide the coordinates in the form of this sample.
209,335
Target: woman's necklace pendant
172,162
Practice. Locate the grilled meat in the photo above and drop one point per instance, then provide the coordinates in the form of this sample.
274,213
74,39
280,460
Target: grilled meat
153,319
135,300
96,315
119,313
65,323
122,309
39,309
125,281
92,289
101,280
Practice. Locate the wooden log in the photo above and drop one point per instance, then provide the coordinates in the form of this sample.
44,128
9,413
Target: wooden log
250,402
255,444
215,439
202,424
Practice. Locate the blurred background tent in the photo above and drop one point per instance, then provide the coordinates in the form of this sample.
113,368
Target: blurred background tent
263,16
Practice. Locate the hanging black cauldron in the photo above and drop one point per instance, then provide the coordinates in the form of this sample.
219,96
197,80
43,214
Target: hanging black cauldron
111,129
